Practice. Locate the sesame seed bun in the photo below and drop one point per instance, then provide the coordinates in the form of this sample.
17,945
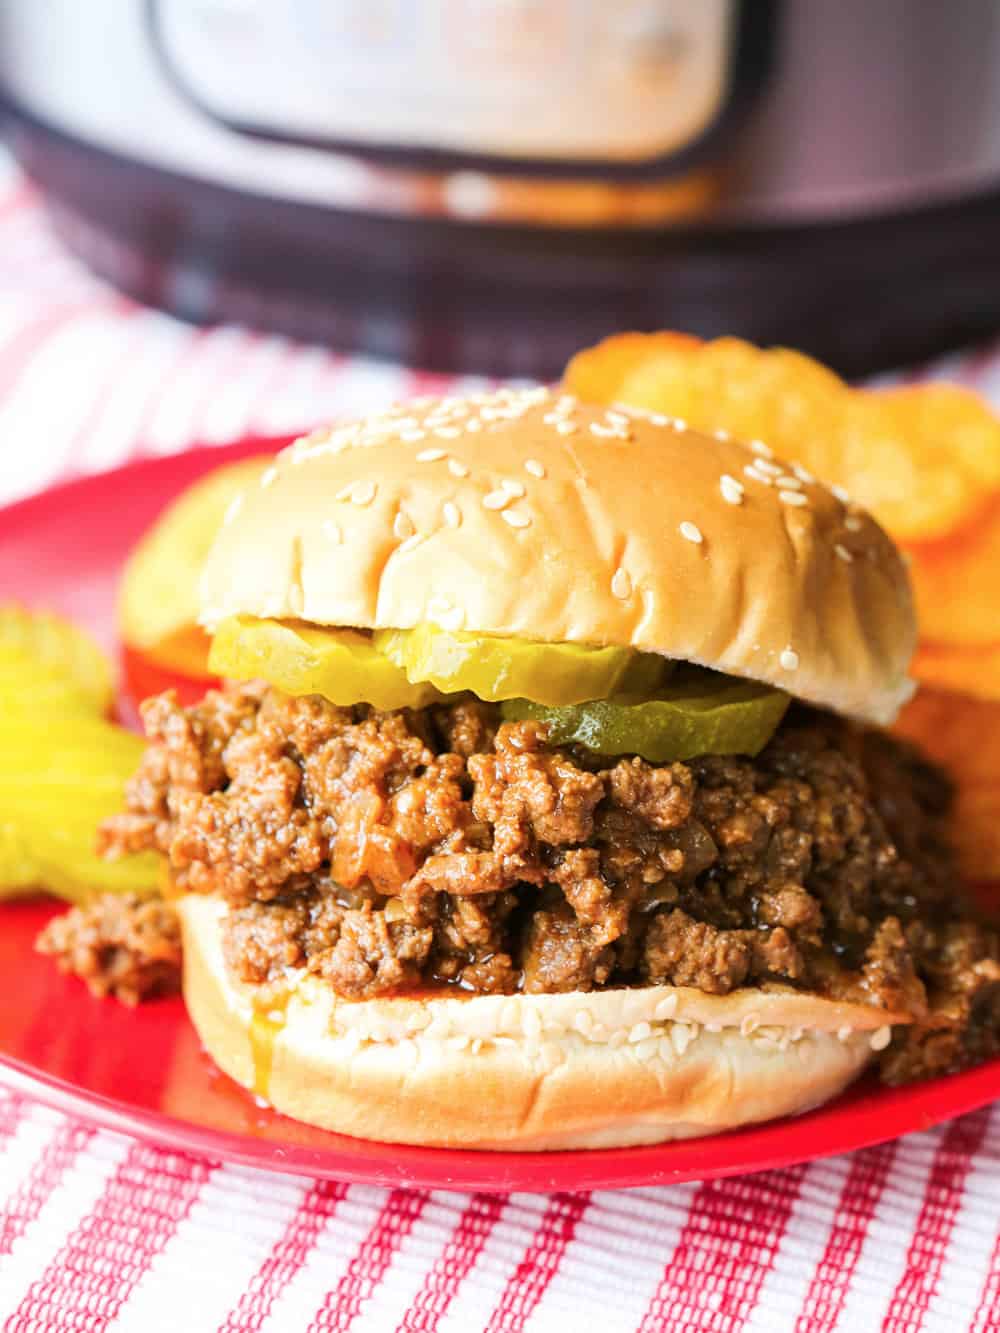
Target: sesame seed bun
528,514
581,1070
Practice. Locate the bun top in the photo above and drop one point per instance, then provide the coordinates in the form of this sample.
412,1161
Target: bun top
527,513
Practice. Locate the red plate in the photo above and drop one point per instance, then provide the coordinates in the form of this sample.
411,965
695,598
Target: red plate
143,1071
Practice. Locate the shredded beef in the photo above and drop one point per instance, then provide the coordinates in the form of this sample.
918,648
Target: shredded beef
384,851
120,944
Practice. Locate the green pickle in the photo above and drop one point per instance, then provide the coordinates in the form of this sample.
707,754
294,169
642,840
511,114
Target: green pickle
496,668
341,664
696,712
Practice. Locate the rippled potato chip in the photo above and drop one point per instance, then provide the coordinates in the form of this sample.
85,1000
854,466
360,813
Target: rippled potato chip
923,458
158,599
972,671
963,735
957,584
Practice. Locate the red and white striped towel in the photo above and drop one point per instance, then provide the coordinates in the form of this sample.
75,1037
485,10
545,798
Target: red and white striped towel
98,1232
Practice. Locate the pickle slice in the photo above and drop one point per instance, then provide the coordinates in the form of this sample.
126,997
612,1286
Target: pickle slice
38,646
697,712
340,664
494,667
50,696
63,766
59,778
63,862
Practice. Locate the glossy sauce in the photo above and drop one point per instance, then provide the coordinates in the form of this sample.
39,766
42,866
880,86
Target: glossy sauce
267,1022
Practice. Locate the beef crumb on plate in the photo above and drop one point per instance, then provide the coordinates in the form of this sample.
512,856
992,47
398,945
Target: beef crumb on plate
120,944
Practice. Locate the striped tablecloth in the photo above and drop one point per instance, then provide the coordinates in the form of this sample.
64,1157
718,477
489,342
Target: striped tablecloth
97,1232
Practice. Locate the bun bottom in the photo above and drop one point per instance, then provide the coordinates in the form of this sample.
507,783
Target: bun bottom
581,1070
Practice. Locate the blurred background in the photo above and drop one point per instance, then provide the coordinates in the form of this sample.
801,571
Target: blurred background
487,185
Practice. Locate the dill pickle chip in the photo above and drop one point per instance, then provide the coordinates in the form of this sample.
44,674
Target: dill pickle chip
41,694
63,862
41,646
494,667
63,766
696,712
59,779
340,664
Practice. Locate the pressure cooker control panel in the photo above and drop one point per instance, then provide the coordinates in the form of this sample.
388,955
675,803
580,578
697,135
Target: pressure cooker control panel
539,82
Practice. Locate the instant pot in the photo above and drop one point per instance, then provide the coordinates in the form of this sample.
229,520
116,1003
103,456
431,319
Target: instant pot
487,185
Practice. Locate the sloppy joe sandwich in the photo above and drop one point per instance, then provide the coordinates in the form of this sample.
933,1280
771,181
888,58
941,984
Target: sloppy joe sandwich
547,804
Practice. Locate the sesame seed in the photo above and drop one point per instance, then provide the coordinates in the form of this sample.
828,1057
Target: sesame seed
552,418
751,471
759,447
852,523
402,526
452,514
616,418
566,401
844,1033
430,455
496,499
233,508
412,436
473,425
516,518
793,498
567,427
515,488
843,553
732,490
722,435
447,432
333,531
772,469
789,483
789,659
841,494
605,431
803,474
621,585
456,468
679,423
658,419
363,493
881,1038
269,477
691,532
533,466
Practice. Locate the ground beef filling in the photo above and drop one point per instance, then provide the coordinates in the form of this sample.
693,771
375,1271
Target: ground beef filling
386,851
